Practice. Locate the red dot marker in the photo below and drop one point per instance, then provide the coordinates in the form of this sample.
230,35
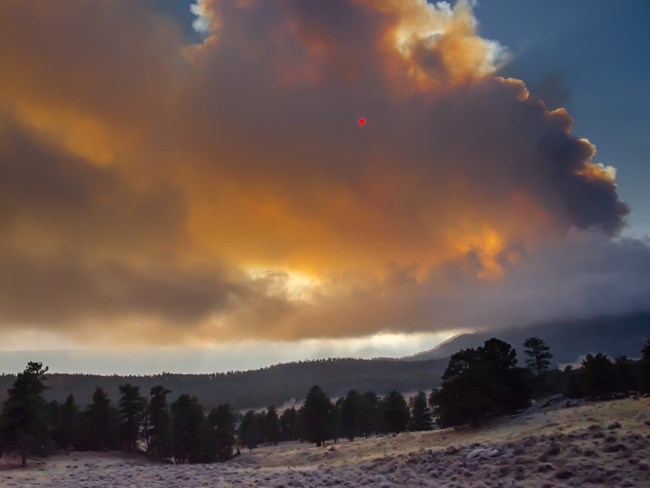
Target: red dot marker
362,121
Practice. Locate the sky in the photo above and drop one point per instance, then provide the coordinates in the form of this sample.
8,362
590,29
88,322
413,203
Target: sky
185,186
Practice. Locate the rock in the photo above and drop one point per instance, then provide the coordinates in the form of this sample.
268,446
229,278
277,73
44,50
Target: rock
451,450
545,467
595,478
483,453
575,450
614,425
553,450
520,472
614,448
564,474
524,460
480,484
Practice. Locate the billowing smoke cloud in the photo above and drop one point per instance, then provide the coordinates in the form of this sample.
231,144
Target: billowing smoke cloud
153,190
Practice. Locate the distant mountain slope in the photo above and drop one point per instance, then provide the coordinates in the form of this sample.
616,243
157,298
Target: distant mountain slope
259,388
568,339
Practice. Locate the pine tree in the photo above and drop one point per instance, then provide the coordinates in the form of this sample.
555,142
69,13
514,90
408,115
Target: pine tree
131,412
369,415
289,425
23,421
626,374
421,418
395,413
249,433
598,376
188,432
335,420
539,355
645,367
271,426
480,383
222,421
99,425
66,431
462,396
350,415
508,387
158,423
317,416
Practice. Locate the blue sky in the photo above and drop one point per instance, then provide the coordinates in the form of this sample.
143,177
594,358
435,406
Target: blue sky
596,53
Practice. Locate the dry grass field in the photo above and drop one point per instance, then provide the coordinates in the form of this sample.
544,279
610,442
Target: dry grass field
594,445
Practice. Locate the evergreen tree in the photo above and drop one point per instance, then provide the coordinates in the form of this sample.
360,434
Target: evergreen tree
463,395
208,438
289,425
539,355
626,374
421,418
369,415
52,413
271,426
260,422
395,413
131,413
158,430
572,383
67,427
99,425
508,387
335,420
481,383
350,415
249,433
222,422
317,415
188,430
598,376
645,367
23,421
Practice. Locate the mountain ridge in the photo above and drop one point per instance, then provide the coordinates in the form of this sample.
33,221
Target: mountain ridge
568,339
285,382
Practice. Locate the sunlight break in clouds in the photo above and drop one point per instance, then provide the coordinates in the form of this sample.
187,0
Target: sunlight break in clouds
156,192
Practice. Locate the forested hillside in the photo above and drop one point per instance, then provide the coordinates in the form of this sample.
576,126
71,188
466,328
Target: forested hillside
259,388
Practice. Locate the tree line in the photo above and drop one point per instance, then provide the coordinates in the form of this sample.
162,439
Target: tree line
484,382
182,431
258,388
477,384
